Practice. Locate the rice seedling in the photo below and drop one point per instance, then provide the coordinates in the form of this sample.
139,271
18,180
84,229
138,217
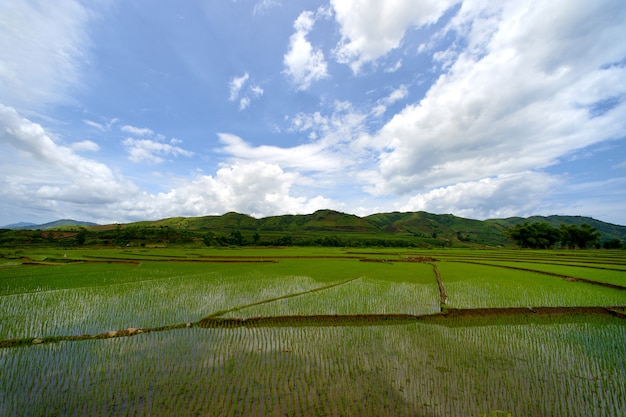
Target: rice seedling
528,368
470,285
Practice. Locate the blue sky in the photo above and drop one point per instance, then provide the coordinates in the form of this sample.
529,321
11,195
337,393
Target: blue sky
116,111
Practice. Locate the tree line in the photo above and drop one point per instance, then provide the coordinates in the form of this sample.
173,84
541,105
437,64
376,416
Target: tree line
540,235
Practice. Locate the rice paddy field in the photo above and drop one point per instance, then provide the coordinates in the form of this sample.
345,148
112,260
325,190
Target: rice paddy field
312,332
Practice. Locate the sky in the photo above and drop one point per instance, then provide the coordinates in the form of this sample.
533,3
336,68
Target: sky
114,111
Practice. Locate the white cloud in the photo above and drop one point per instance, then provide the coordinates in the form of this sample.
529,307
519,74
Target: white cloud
303,63
256,91
244,103
395,67
331,157
95,125
103,127
137,131
45,177
42,49
497,197
396,95
35,168
236,84
256,188
342,126
262,6
372,28
51,180
516,99
307,157
85,145
148,150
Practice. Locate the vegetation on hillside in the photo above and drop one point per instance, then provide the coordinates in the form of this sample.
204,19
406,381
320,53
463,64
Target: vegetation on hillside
333,229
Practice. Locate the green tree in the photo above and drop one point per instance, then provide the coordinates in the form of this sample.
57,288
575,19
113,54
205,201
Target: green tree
614,243
582,236
535,235
208,238
236,237
81,236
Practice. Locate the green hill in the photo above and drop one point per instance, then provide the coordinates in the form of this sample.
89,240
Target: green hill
447,226
322,228
413,228
51,225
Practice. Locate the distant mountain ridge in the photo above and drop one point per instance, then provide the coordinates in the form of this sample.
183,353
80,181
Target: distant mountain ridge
49,225
400,224
425,226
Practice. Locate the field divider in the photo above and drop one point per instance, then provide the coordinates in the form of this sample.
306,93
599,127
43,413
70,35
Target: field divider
552,274
182,260
282,297
443,296
448,317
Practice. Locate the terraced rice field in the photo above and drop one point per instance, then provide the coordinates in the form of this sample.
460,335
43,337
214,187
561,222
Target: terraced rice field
312,332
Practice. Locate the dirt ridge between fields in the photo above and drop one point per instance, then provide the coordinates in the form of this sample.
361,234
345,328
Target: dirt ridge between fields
445,317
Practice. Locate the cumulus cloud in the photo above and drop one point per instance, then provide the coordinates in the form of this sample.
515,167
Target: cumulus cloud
495,197
372,28
256,188
38,173
43,170
43,47
517,98
303,63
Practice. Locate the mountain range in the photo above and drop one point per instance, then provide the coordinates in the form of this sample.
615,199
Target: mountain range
419,224
50,225
406,224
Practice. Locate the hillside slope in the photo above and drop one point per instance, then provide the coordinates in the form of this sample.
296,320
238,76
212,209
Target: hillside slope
419,225
419,229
